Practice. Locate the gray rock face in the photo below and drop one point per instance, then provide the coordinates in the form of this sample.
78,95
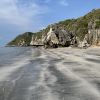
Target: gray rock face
50,39
93,36
32,41
57,37
64,37
35,41
22,43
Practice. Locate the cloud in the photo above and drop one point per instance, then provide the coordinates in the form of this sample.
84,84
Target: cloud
63,3
21,14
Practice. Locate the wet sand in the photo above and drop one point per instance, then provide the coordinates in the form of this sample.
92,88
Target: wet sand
52,74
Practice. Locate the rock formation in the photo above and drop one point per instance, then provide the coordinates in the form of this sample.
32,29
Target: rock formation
50,39
35,41
22,43
58,37
32,41
93,36
80,32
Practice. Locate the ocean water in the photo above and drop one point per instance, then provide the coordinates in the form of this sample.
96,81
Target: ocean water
28,73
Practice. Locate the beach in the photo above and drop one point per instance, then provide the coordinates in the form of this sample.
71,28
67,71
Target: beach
49,74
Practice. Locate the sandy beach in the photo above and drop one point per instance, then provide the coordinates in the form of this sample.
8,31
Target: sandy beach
51,74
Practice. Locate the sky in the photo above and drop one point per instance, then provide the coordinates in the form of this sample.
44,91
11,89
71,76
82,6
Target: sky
19,16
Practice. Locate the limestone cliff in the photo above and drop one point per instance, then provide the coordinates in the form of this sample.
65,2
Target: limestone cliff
93,36
80,32
58,36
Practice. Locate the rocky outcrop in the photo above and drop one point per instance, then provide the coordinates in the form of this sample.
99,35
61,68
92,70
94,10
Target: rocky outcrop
80,32
22,43
32,41
38,42
35,41
50,39
93,36
58,37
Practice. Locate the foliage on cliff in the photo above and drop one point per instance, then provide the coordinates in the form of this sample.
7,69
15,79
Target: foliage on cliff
80,25
26,37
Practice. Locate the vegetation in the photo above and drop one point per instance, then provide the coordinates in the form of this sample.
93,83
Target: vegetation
79,26
97,24
26,37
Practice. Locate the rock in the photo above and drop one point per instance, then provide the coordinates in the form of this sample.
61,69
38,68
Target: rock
75,41
83,44
32,41
58,36
64,37
36,41
50,39
22,43
93,36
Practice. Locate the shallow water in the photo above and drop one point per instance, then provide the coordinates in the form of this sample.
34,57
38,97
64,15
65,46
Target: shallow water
52,74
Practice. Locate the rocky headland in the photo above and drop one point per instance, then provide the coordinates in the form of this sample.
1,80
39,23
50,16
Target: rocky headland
81,32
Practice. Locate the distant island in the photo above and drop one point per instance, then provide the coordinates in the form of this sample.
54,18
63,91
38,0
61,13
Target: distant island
80,32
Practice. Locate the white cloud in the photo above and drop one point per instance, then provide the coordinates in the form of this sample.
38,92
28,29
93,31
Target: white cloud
63,2
21,14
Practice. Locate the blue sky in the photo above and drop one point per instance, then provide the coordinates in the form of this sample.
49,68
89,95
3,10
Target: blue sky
18,16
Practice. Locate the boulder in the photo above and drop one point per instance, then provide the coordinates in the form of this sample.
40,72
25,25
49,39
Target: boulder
57,37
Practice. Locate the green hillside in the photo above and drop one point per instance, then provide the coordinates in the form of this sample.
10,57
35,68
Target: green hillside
26,36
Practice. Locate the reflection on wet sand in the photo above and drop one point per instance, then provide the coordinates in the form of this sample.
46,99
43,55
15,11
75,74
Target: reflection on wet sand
52,74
